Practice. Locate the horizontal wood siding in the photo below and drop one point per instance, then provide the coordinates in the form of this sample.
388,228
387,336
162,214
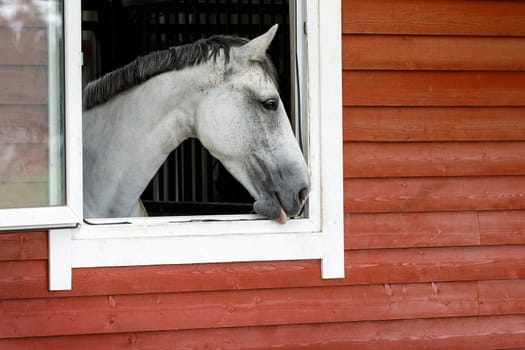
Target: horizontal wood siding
433,88
434,124
434,167
496,332
434,17
423,194
448,53
416,159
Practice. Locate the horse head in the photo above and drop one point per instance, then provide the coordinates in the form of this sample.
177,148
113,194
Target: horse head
241,120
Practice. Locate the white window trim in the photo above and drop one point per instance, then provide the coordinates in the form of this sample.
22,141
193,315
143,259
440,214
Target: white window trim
234,238
65,215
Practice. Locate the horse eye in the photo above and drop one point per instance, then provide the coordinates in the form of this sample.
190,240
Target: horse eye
270,104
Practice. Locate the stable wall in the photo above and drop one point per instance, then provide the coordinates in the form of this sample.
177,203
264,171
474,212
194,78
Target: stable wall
434,130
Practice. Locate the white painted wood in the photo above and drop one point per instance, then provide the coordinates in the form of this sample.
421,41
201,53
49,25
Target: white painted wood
196,249
194,226
60,241
152,241
331,136
37,218
73,107
60,268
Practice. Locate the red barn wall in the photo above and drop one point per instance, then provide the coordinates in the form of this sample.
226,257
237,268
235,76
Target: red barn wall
434,164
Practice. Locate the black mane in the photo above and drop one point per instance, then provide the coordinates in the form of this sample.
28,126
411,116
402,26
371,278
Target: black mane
175,58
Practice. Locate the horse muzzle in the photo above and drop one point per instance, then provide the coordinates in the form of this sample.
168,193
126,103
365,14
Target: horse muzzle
278,205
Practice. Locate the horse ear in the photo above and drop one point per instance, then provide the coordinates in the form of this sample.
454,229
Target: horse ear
256,48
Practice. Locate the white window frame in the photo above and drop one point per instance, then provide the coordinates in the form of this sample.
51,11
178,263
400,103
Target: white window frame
67,215
233,238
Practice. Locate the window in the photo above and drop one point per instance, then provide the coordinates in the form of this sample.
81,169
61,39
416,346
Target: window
33,187
191,181
226,238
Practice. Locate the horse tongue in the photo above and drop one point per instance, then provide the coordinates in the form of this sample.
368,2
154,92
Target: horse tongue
282,220
268,208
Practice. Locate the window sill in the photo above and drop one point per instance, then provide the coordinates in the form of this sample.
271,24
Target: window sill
224,241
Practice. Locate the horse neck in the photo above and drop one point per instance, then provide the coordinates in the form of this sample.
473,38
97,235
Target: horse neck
128,138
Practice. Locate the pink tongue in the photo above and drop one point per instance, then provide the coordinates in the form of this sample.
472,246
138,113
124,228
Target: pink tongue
283,218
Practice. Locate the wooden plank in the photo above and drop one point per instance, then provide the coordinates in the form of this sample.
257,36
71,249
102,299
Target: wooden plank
440,229
502,297
24,279
435,264
434,194
24,163
23,124
434,124
19,194
23,245
437,17
506,227
26,47
447,333
154,312
23,85
404,230
433,88
393,52
407,159
28,279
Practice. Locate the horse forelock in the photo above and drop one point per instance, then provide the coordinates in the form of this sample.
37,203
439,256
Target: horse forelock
145,67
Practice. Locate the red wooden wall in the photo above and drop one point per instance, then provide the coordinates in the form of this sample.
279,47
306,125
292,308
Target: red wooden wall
434,130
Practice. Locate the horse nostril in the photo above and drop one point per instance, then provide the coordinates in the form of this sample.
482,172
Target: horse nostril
303,194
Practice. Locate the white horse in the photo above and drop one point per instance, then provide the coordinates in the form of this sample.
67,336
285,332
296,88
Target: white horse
221,90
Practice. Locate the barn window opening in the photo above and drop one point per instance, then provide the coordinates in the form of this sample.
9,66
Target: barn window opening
77,243
114,32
